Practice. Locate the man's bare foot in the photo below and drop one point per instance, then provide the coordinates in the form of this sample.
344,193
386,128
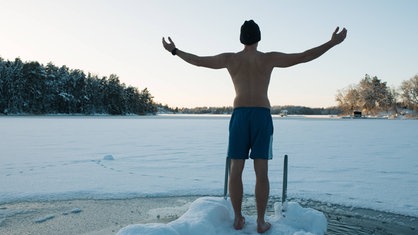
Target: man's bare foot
263,227
239,223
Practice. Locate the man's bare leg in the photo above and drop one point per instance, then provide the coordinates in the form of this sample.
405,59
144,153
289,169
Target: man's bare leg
236,191
262,188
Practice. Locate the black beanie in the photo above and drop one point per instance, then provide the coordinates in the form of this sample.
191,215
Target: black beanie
250,33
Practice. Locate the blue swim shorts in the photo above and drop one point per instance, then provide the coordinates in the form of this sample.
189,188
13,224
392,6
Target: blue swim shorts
250,133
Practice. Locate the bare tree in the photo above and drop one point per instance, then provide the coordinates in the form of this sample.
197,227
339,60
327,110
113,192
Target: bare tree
409,93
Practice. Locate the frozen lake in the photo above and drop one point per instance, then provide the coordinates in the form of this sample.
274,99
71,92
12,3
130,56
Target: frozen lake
362,163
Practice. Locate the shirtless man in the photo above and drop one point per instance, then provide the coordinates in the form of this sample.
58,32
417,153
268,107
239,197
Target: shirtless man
251,127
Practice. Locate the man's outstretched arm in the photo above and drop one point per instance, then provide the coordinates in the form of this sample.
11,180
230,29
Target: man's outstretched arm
286,60
214,62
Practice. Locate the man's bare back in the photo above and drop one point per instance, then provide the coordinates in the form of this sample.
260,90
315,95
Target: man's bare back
251,77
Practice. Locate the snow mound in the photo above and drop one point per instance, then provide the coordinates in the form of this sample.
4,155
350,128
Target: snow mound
212,215
108,158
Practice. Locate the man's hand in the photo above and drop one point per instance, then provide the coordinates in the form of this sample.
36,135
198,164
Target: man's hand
337,38
169,46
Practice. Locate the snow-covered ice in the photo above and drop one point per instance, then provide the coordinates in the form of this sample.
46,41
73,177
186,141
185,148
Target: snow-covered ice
360,163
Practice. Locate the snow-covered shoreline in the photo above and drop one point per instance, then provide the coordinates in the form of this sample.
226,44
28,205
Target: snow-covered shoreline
105,217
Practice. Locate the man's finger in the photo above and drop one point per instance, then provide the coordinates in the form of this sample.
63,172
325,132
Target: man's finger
171,41
336,30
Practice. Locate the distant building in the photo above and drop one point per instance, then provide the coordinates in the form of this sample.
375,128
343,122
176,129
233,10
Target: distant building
283,113
357,114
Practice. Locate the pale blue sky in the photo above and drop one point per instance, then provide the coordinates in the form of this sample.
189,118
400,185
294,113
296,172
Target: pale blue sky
124,38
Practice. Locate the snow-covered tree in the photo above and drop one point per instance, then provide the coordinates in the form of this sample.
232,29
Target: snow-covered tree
371,95
31,88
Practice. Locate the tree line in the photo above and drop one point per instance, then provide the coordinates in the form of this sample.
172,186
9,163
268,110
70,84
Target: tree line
32,88
302,110
371,96
288,109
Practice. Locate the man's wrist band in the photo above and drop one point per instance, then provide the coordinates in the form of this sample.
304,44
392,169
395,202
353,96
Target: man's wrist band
174,51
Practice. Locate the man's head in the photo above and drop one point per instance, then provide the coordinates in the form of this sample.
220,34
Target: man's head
250,33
